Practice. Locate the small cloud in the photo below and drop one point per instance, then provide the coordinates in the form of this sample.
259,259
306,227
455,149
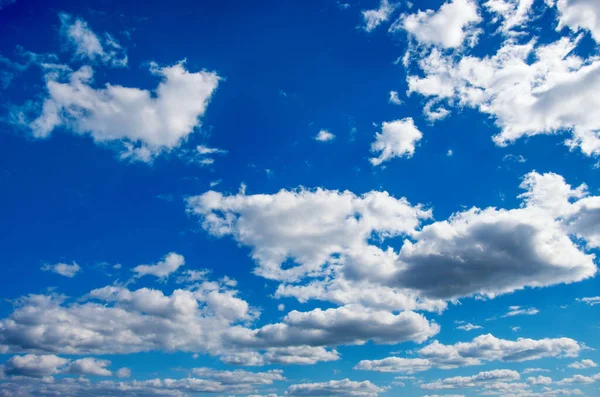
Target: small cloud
63,269
162,269
469,327
521,311
515,329
214,183
515,158
324,136
449,153
281,307
394,98
123,373
374,18
592,300
583,364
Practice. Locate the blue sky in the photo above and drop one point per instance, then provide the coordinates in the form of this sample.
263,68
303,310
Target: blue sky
281,198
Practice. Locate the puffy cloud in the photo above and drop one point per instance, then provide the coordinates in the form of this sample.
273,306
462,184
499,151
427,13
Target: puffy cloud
324,136
123,373
34,366
87,45
374,18
63,269
539,380
469,327
475,252
447,27
239,377
394,98
298,355
89,366
521,311
482,349
583,364
344,387
529,89
162,269
580,14
396,139
580,379
144,123
497,375
351,324
140,320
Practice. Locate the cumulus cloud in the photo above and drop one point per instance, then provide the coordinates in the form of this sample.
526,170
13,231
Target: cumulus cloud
396,139
583,364
580,14
497,375
89,366
539,380
512,13
297,355
162,269
87,45
63,269
34,366
447,27
374,18
123,373
141,122
529,89
324,136
476,251
484,348
344,387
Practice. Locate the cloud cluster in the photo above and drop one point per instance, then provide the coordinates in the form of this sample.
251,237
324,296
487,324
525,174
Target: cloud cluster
484,348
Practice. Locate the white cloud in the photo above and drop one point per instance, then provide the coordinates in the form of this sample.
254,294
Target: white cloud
513,13
469,327
580,14
583,364
123,373
484,348
162,269
344,387
298,355
447,27
497,375
394,98
520,311
89,366
63,269
530,370
142,122
34,366
87,45
592,300
397,139
580,379
324,136
483,252
239,377
539,380
374,18
529,89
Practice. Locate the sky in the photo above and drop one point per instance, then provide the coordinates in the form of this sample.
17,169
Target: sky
283,198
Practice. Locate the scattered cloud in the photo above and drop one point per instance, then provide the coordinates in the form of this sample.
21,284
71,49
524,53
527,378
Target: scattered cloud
396,139
63,269
324,136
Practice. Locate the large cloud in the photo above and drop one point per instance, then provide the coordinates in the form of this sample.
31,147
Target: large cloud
143,122
580,14
482,349
475,252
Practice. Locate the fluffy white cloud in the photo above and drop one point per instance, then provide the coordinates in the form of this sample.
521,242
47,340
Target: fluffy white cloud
529,89
374,18
580,379
87,45
162,269
63,269
144,123
497,375
396,139
475,252
583,364
298,355
580,14
482,349
447,27
343,325
89,366
394,98
344,387
324,136
539,380
35,366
